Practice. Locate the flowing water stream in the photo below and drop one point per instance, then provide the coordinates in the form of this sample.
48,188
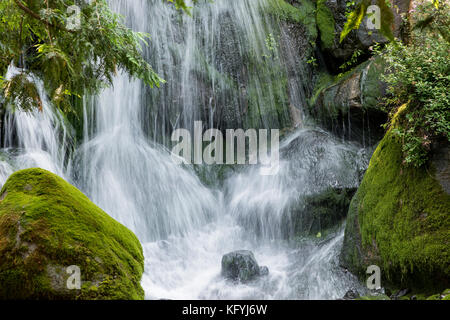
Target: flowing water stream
211,61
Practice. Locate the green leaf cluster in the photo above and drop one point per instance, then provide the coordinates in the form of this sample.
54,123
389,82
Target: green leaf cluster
36,36
356,16
419,74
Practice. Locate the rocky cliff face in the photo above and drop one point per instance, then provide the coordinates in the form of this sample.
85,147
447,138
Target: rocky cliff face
348,101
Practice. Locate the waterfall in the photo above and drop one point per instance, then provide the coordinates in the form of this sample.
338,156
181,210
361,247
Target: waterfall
36,138
134,179
228,65
225,66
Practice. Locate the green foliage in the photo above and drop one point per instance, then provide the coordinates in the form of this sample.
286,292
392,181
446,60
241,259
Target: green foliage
312,61
355,18
271,46
352,61
46,225
24,92
433,18
181,4
420,75
357,15
387,18
70,59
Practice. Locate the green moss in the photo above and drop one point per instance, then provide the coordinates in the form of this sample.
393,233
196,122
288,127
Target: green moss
372,86
46,225
379,297
328,87
267,94
399,220
446,294
324,81
304,14
326,24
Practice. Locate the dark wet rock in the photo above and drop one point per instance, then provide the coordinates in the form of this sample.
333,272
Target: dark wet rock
351,295
350,106
401,293
321,211
242,266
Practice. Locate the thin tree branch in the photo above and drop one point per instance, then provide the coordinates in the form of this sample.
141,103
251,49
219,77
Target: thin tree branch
34,15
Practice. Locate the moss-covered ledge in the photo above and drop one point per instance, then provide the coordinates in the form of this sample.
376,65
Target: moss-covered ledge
399,220
46,225
350,104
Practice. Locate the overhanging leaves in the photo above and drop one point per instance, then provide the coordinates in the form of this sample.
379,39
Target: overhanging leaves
355,18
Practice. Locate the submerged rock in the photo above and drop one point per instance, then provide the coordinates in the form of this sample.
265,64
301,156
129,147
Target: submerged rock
351,295
242,266
49,231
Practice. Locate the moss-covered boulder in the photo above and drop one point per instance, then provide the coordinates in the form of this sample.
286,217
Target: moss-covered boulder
399,220
349,104
47,225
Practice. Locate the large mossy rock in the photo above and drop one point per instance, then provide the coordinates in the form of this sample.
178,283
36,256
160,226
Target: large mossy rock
399,220
47,225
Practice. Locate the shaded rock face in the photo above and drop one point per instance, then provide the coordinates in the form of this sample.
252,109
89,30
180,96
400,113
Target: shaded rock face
321,211
350,107
242,266
399,220
50,233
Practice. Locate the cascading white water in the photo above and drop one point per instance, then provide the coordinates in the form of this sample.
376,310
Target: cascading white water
43,138
124,166
135,180
312,161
